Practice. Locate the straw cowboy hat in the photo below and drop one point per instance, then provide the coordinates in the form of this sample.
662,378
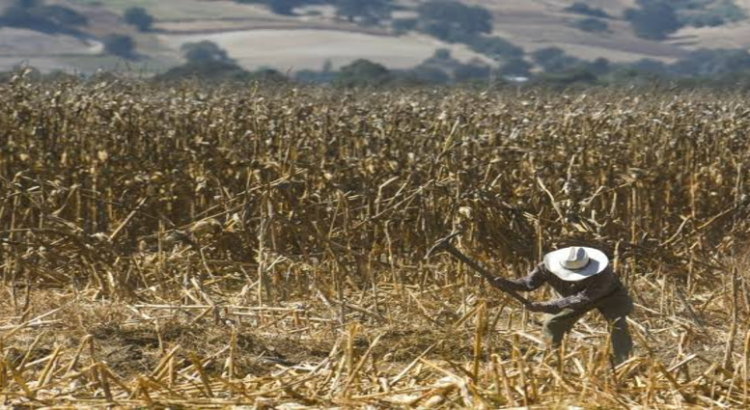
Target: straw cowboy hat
576,263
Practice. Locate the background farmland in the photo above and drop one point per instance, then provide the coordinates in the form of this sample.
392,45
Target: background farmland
314,35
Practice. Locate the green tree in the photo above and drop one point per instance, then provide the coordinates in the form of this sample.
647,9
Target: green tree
649,66
34,15
430,75
453,21
494,47
600,66
283,7
516,67
591,25
711,13
120,45
402,26
712,62
204,51
654,20
139,17
207,61
268,75
580,7
363,73
554,59
472,72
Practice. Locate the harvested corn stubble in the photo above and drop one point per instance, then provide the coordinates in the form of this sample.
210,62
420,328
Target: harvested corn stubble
216,247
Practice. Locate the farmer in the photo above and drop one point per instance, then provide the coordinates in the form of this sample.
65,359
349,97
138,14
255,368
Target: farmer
584,280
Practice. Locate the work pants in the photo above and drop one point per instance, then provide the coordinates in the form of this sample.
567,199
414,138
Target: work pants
615,308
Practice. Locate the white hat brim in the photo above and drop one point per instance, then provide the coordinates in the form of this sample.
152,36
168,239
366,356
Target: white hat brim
598,262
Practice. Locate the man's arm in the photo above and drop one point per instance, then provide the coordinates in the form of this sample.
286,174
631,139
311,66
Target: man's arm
600,286
574,302
532,281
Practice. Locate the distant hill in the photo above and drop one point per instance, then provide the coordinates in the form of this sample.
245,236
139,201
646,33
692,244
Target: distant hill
256,37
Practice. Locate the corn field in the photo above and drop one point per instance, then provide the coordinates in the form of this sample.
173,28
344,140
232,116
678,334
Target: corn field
266,247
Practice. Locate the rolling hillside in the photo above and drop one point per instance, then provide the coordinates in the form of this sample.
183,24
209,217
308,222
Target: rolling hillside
258,38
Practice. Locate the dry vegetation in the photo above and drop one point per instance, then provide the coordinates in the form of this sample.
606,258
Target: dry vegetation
265,247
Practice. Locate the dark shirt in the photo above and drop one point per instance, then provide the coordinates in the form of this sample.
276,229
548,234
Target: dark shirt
575,295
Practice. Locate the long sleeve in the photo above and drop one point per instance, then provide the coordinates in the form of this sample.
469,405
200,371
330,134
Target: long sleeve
596,288
532,281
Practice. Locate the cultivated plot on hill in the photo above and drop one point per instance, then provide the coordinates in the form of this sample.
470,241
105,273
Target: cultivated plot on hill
309,49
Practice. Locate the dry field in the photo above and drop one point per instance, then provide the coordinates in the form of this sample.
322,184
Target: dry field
187,247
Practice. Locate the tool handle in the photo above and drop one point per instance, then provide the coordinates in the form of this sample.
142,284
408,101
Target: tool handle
486,274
